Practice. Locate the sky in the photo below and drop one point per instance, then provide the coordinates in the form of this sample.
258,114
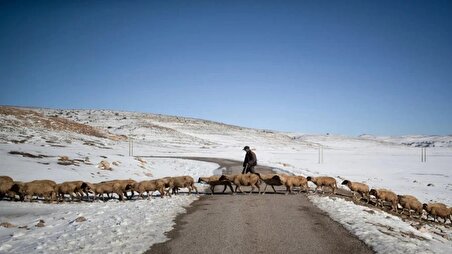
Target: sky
342,67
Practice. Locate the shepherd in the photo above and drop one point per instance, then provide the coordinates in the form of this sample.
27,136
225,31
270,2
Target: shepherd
250,161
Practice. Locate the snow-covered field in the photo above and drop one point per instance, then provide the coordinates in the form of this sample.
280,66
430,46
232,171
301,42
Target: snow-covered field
110,227
89,136
385,233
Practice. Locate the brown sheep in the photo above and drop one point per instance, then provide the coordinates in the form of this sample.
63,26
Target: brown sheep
168,184
272,180
360,188
248,179
323,181
149,187
410,203
214,181
6,183
39,188
385,195
438,210
110,187
17,189
122,186
72,188
296,181
183,182
450,214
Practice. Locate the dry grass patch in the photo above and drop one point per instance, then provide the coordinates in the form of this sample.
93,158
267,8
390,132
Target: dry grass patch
26,118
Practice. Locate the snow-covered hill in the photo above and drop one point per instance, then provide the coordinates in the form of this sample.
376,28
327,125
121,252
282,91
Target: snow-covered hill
94,135
69,144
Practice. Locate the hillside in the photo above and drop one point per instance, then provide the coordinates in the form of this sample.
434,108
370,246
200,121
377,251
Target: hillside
64,145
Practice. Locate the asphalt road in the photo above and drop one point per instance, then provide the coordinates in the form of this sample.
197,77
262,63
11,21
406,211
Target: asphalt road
270,223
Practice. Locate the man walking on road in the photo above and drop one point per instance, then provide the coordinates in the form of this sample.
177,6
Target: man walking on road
250,161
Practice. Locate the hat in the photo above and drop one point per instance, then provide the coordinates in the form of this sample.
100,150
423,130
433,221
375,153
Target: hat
246,147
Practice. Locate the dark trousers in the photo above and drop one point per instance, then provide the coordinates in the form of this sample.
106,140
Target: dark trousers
248,169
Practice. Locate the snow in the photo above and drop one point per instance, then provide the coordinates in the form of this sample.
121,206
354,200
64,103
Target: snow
110,227
389,162
385,233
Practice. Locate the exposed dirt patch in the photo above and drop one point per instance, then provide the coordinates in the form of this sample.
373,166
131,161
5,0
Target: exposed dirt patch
29,155
7,225
26,117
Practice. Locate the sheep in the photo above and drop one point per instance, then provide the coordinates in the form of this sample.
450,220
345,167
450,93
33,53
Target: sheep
411,203
355,187
214,181
295,181
272,180
168,183
322,181
39,188
183,182
123,186
110,187
450,214
6,183
17,189
79,188
249,179
149,187
438,210
385,195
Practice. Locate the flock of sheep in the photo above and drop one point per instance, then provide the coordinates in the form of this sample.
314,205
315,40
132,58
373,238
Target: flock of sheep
51,191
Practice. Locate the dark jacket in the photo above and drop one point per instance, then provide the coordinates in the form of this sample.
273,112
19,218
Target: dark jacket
250,158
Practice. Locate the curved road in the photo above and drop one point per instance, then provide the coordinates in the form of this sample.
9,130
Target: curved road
271,223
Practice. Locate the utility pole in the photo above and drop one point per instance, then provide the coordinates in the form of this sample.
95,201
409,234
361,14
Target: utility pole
423,154
130,146
320,154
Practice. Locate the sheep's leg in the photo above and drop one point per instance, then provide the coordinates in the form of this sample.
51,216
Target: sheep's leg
240,189
71,196
230,187
121,196
252,189
196,189
273,187
265,189
225,186
301,189
79,197
258,188
212,189
168,192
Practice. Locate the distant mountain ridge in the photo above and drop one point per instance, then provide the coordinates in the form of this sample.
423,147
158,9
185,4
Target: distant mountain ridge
19,124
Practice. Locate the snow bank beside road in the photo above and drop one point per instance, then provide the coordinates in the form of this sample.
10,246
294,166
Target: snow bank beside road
383,232
111,227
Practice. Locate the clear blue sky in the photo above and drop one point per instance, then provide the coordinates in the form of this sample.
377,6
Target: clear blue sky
344,67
